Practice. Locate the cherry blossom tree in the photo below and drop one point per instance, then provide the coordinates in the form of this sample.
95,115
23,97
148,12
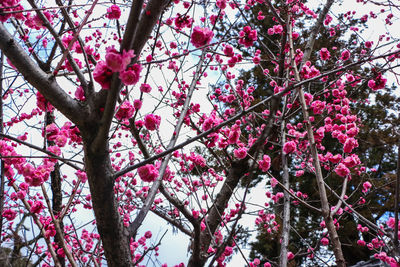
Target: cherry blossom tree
117,109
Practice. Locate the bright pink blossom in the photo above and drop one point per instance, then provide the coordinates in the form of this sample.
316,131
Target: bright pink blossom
289,147
247,36
325,241
324,54
132,75
102,75
240,153
145,88
37,207
148,173
113,12
366,187
116,61
125,111
201,36
342,170
265,163
377,83
152,121
9,214
349,145
290,255
345,55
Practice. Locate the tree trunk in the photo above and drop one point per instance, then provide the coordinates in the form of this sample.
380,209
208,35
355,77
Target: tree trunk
114,236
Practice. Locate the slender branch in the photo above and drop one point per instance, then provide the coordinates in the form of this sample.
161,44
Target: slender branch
58,229
156,185
396,204
43,82
66,161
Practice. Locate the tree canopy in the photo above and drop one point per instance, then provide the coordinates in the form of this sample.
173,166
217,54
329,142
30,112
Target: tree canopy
112,112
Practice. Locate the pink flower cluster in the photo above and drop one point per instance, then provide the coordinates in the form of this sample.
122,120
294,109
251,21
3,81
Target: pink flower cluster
113,12
265,163
201,36
125,111
152,122
378,83
324,54
289,147
148,173
117,62
247,36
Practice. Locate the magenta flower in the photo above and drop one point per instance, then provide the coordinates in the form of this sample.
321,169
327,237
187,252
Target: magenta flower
247,36
324,54
201,36
289,147
132,75
102,75
152,122
9,214
148,173
342,170
125,111
265,163
113,12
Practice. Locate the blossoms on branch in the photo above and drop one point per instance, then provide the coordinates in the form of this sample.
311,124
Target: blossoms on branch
152,122
342,170
148,173
201,36
116,61
247,36
125,111
324,54
378,83
265,163
113,12
289,147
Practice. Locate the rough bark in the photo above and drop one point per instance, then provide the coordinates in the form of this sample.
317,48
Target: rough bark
114,236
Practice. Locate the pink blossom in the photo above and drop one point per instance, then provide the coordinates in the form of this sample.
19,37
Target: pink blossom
147,234
325,241
265,163
148,173
351,161
113,12
116,61
228,51
152,122
240,153
361,243
102,74
145,88
247,36
349,145
125,111
201,36
221,4
378,83
132,75
9,214
137,104
51,131
366,186
342,170
390,222
278,29
345,55
290,255
37,207
289,147
80,94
